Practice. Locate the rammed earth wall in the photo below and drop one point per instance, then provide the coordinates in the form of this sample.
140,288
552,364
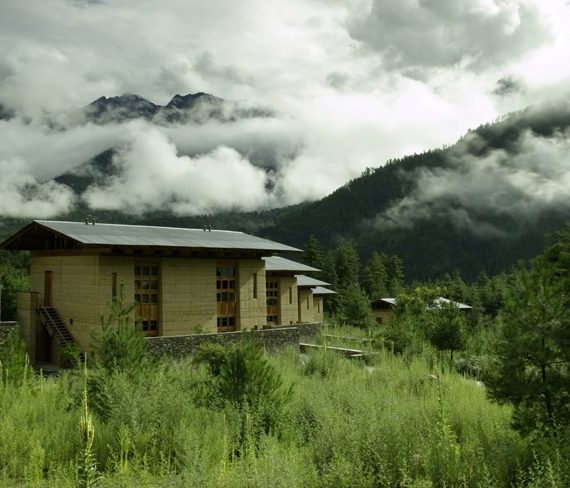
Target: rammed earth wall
272,339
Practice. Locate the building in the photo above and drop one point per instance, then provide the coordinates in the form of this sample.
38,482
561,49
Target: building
182,281
284,296
383,308
311,293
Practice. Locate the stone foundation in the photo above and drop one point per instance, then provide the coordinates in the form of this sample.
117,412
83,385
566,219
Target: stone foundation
178,347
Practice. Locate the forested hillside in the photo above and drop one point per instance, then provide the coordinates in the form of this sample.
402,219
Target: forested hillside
448,231
479,205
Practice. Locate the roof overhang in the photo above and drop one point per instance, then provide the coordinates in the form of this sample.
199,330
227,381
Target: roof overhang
41,235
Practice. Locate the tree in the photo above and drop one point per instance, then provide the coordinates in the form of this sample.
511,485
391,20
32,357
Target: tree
347,263
12,280
120,345
531,361
314,254
447,330
394,269
354,307
375,277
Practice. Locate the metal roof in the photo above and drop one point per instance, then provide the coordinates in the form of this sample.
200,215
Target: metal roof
319,290
304,280
142,235
437,303
277,263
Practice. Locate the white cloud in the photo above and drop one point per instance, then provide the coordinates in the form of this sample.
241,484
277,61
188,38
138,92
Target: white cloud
153,176
520,184
353,83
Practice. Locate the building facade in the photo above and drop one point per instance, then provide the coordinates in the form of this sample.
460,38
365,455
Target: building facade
182,281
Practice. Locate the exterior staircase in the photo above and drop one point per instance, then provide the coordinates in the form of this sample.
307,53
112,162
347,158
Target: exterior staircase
57,329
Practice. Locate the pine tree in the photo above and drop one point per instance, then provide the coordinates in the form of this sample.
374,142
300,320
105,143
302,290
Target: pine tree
531,366
375,277
354,307
314,254
347,263
394,269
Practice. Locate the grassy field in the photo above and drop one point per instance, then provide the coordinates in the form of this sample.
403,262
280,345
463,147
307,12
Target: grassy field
387,422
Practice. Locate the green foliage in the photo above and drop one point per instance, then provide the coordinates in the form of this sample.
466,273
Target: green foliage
347,263
15,367
391,423
14,277
447,328
395,275
530,367
87,474
314,253
354,307
243,377
120,345
375,279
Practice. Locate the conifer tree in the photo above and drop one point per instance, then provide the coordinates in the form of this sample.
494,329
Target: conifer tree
354,307
375,277
347,262
314,254
394,269
531,366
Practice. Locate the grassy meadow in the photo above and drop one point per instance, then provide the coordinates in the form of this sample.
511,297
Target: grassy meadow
390,421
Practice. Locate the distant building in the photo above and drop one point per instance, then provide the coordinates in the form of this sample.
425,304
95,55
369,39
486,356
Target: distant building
181,280
383,308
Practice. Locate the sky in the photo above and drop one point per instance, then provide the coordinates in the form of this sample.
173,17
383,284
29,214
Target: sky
351,84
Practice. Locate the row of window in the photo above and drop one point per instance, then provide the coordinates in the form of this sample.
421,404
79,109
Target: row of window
146,270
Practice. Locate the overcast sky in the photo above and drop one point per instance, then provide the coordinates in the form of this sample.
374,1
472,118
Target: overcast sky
352,82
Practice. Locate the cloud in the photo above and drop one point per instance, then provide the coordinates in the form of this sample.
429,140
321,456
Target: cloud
349,86
22,196
419,34
219,180
474,193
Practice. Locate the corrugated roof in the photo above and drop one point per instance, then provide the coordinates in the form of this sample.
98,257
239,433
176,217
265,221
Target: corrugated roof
142,235
437,303
277,263
319,290
304,280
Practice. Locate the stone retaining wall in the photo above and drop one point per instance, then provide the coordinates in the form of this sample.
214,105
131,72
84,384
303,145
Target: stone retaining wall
181,346
307,331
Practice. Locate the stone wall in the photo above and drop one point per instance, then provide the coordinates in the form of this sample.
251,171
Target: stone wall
307,331
181,346
6,328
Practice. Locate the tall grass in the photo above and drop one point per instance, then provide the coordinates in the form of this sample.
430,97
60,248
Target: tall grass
397,422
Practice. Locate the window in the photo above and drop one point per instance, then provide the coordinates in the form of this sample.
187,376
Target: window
290,295
254,285
114,286
307,303
226,297
147,292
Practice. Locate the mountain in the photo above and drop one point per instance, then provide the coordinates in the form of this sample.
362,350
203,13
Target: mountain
434,243
195,108
120,109
449,232
461,207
